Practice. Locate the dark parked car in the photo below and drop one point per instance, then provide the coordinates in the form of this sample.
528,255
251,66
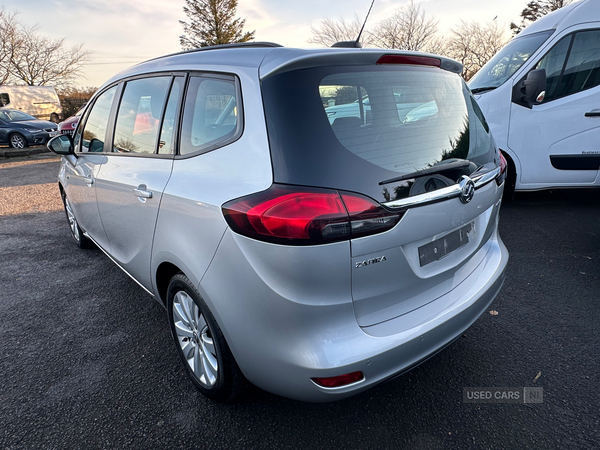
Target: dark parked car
19,130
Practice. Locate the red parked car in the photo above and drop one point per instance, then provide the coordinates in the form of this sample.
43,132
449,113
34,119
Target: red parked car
70,124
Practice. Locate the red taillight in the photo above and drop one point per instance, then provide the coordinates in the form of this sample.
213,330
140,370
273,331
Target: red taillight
503,170
340,380
306,216
410,59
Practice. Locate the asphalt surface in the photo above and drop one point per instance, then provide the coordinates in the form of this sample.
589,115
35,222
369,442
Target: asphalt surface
87,360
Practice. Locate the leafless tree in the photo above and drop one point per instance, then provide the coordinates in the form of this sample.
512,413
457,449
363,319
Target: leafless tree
474,44
329,31
437,44
8,42
26,57
407,29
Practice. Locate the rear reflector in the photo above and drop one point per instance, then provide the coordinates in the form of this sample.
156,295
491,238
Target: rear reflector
340,380
410,59
297,215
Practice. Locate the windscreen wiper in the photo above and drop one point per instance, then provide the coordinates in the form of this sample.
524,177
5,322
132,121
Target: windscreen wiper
483,89
429,171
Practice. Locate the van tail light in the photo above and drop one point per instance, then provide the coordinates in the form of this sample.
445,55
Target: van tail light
295,215
503,170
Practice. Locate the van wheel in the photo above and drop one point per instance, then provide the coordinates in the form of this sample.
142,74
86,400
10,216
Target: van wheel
76,232
201,344
54,117
511,179
17,141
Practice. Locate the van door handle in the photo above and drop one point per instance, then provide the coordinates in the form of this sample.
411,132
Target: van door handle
89,181
593,113
142,192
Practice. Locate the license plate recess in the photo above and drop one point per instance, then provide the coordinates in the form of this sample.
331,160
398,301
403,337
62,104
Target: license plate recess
445,245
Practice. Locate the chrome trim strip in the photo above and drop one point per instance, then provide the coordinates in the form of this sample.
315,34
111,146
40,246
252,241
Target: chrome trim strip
484,179
441,194
118,265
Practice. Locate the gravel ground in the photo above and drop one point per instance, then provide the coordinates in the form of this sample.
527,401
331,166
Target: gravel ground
28,188
87,360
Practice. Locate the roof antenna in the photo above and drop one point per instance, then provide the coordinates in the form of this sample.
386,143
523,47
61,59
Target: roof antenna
356,43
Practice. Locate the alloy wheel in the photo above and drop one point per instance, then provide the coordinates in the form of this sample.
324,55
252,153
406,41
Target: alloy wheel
72,221
195,339
17,141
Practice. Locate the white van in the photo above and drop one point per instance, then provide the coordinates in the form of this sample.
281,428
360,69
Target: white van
541,97
39,101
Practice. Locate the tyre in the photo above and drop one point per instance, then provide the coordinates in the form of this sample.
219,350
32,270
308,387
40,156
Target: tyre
80,239
17,140
54,118
201,344
511,179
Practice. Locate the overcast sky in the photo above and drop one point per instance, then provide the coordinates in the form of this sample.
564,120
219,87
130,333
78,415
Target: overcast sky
120,33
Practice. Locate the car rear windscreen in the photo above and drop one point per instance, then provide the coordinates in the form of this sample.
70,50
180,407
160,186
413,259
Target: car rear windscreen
350,127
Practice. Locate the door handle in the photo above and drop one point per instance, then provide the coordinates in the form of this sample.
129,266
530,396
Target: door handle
89,181
142,192
593,113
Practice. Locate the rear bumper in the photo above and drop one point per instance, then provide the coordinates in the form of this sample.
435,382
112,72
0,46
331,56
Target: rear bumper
280,343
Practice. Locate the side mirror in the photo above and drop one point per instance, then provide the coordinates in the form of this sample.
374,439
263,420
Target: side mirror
531,90
61,145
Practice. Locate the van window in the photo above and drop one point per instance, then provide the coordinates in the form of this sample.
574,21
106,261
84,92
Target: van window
553,62
139,115
507,61
583,66
94,130
4,99
211,115
581,51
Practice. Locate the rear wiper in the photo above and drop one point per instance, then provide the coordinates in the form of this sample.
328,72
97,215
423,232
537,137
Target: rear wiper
429,171
482,89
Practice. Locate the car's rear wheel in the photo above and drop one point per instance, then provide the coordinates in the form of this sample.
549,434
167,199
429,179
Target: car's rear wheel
76,232
201,344
17,140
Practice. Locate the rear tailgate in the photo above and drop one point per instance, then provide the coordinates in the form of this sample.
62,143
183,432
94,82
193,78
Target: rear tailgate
411,138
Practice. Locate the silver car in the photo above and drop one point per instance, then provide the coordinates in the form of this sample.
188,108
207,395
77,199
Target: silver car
312,258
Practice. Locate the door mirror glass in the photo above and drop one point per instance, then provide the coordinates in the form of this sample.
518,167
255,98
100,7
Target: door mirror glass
532,90
61,145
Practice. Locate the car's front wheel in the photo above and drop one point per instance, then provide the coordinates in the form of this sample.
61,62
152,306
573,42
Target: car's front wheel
76,232
17,140
201,344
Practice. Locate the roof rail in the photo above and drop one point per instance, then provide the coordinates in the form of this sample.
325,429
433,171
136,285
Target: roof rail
235,45
221,46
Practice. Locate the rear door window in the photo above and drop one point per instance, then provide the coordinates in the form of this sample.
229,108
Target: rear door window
166,145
